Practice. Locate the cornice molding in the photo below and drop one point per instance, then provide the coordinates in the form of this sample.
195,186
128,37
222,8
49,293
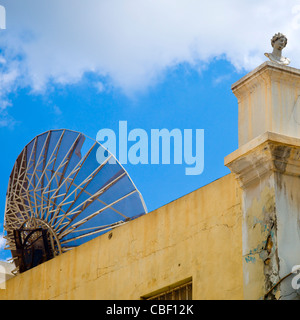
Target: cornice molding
264,155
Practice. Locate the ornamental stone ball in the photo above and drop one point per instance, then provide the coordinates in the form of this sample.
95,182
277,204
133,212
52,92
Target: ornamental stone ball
278,42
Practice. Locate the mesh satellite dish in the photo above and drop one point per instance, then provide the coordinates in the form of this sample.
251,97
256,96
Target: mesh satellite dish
59,196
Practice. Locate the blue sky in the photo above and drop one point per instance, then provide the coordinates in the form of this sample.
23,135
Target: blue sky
87,65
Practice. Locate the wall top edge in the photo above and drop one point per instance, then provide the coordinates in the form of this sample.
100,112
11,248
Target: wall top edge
267,65
271,137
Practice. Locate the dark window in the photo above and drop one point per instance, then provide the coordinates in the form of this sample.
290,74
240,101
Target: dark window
182,292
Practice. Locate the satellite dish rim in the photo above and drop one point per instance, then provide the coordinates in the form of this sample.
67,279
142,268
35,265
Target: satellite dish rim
74,131
62,132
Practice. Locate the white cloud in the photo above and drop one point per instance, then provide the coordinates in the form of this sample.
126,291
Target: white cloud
2,242
99,86
133,42
56,110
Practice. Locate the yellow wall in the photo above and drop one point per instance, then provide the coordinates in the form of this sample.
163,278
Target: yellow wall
198,236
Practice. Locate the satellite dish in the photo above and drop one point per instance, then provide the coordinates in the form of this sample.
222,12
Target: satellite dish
59,196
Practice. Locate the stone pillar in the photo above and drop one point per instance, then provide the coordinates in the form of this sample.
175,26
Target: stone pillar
269,101
267,166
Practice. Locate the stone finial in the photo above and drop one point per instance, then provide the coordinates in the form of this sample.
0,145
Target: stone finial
278,42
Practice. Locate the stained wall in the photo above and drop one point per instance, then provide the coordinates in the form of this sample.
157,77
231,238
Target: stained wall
198,236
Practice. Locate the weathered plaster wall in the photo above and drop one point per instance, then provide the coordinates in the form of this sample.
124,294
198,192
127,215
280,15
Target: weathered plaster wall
268,170
198,236
259,238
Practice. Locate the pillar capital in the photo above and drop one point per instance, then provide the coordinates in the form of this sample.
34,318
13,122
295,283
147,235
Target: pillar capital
268,153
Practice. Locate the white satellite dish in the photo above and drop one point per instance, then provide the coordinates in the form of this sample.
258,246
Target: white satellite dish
59,197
